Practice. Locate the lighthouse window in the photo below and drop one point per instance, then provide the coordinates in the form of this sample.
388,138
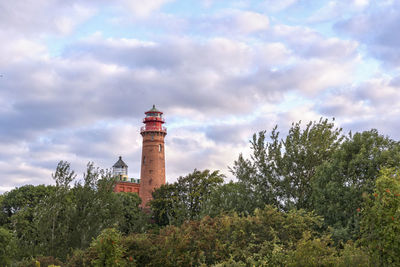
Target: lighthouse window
159,148
144,160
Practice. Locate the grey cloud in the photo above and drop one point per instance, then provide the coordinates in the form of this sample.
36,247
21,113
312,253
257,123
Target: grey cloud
103,83
377,28
33,17
371,104
39,18
308,43
231,134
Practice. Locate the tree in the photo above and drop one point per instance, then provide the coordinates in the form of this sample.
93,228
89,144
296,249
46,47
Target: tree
165,206
18,211
280,172
24,197
184,200
3,215
228,198
7,247
73,216
380,224
53,215
132,219
108,249
341,182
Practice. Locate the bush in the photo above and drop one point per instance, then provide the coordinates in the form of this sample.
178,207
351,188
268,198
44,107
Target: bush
41,261
108,250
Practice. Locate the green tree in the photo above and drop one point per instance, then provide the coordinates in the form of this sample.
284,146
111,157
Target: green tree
228,198
7,247
3,216
18,211
24,197
73,216
264,237
340,183
132,218
184,200
280,172
53,215
380,225
165,206
108,249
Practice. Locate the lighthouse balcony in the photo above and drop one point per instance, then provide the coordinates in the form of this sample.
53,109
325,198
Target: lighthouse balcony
156,119
153,129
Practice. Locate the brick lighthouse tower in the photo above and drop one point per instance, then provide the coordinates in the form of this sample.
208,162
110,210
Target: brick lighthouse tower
152,174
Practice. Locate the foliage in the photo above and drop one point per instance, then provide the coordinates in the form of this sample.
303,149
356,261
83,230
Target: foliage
72,217
280,172
351,255
227,198
69,217
3,215
7,247
184,200
108,249
313,252
213,240
40,261
18,211
24,197
340,183
380,225
166,206
268,238
131,218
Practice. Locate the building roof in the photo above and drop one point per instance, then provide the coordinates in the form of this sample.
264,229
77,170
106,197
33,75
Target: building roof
153,109
120,163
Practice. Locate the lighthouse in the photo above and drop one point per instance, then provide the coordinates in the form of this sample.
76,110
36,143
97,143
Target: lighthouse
152,173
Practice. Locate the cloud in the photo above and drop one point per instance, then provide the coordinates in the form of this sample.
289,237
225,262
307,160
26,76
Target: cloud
230,22
87,104
220,74
276,6
248,22
375,29
33,17
103,77
357,107
143,9
308,43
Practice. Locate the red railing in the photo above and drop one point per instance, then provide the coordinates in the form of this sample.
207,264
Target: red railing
153,119
153,129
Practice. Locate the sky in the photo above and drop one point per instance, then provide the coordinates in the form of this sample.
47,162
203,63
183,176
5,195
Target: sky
77,76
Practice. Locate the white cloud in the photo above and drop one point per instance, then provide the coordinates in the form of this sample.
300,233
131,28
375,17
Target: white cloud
375,29
248,22
42,16
361,3
143,9
274,6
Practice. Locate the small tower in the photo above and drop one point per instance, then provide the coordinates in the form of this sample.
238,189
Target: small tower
120,170
152,174
123,183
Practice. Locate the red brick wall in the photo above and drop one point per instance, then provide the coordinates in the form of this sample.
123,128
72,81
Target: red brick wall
127,187
152,173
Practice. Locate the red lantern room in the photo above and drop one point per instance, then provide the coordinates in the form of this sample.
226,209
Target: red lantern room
153,121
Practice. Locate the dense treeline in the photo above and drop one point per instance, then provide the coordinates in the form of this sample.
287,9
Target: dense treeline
317,197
